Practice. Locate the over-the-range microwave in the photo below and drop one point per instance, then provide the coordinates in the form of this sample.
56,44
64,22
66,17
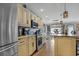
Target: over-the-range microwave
34,24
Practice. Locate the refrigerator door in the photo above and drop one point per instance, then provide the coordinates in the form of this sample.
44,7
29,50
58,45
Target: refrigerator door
71,30
10,50
8,24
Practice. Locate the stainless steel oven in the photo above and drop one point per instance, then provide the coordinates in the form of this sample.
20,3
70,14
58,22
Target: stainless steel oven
39,42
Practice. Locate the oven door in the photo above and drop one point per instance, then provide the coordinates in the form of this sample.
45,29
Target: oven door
39,42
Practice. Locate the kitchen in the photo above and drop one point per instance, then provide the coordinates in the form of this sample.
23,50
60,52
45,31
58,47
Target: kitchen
26,29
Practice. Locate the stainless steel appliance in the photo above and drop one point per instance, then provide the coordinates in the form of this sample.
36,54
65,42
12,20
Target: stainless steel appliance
71,30
56,31
34,24
39,42
8,29
20,30
39,39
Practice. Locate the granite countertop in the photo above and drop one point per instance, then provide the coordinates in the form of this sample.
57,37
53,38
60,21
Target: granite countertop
63,35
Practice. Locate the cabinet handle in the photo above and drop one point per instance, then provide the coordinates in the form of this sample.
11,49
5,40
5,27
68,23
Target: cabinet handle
32,44
22,42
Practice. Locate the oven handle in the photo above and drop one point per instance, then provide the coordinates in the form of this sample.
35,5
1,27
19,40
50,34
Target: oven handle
8,48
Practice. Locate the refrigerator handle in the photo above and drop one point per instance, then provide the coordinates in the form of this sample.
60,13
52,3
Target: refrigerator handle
8,47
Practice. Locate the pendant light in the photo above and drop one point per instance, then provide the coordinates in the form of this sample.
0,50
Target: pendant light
65,13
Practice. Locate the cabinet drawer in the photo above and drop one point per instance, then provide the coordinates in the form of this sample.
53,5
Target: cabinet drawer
24,40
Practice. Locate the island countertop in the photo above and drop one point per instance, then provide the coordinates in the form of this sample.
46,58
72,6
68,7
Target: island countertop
63,35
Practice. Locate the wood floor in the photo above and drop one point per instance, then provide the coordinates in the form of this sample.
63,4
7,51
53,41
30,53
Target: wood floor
50,46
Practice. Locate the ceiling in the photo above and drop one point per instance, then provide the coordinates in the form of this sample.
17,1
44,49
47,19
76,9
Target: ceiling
54,11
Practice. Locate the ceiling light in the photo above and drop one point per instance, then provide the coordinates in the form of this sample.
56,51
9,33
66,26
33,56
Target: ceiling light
41,10
65,13
55,20
46,16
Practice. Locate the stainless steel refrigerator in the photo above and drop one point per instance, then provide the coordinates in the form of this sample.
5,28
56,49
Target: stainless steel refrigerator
8,29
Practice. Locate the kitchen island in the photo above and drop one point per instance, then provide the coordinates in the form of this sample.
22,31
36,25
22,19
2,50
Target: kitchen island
65,45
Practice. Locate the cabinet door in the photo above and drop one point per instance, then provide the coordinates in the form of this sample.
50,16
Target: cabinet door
32,16
23,47
35,18
39,22
22,50
32,45
24,17
28,18
34,42
19,14
65,46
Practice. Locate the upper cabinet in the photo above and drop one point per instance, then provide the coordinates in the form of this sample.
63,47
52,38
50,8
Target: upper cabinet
25,16
40,22
33,17
28,16
19,14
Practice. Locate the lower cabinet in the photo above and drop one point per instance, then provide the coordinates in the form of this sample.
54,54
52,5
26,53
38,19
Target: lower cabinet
65,46
26,46
32,45
23,47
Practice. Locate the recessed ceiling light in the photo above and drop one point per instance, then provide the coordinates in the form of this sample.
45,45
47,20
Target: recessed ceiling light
55,20
46,16
41,10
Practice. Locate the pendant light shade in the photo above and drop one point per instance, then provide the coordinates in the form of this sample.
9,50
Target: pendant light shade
65,13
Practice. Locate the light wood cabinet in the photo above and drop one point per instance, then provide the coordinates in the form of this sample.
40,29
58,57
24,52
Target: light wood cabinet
28,16
24,17
32,45
65,46
40,22
23,47
26,46
36,19
32,16
19,15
